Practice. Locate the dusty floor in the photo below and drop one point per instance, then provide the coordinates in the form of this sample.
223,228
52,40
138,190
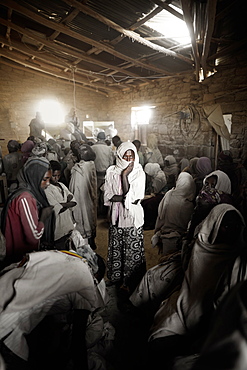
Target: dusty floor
102,243
131,328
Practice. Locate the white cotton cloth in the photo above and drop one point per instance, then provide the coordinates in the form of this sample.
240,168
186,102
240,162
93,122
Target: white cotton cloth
176,207
125,214
185,308
64,220
50,282
223,181
83,184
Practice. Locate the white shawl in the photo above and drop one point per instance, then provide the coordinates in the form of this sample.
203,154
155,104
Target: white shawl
184,309
127,214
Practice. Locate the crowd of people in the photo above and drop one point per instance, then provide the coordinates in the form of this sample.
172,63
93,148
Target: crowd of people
48,256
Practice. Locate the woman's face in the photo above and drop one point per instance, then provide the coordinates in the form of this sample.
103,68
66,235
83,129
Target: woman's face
45,182
211,181
129,156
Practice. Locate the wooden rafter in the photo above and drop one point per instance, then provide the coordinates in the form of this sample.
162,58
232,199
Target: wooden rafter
41,74
66,30
66,50
211,12
21,59
131,34
47,58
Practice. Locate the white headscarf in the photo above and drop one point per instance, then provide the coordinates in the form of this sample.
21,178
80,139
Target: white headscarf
152,169
121,163
223,181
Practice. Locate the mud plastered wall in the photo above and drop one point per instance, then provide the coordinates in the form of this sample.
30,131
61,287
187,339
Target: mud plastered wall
20,93
174,95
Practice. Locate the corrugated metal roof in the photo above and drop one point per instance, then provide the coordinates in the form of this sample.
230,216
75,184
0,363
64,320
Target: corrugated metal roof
93,39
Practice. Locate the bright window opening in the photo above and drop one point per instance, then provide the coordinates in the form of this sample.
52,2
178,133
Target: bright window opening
141,115
170,26
52,112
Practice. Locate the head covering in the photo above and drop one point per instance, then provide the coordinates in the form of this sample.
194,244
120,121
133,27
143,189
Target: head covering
192,165
185,186
121,163
13,145
31,175
29,179
27,146
223,182
203,284
40,149
210,227
226,155
203,167
171,159
184,163
176,207
152,169
101,136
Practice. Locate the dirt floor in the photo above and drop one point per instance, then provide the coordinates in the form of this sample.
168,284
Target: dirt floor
131,328
102,242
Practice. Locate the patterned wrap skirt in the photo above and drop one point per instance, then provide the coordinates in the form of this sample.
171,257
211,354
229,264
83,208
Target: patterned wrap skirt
126,261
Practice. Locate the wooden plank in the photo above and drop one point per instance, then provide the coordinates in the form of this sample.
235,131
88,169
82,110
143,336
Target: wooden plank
66,50
169,9
187,6
62,64
131,34
41,67
211,12
65,30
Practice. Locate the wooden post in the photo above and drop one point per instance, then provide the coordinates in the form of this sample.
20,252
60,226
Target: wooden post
216,148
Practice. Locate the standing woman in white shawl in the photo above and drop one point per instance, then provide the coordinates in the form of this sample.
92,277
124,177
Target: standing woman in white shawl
124,188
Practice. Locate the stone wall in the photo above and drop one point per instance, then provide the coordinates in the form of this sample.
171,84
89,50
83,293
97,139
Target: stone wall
20,93
173,95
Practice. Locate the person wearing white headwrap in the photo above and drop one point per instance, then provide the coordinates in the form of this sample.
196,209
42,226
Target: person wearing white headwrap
155,190
171,170
174,213
124,189
183,318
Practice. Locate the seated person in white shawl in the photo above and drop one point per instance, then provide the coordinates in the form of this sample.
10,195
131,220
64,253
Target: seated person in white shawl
154,192
174,213
152,153
182,321
46,283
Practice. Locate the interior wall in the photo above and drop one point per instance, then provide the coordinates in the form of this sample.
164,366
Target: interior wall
20,93
175,94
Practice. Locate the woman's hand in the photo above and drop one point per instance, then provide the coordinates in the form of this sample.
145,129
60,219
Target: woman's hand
127,170
117,198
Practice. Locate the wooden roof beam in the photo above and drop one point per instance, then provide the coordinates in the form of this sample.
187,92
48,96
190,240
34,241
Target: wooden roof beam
64,29
187,7
41,74
131,34
210,12
18,58
50,59
66,50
